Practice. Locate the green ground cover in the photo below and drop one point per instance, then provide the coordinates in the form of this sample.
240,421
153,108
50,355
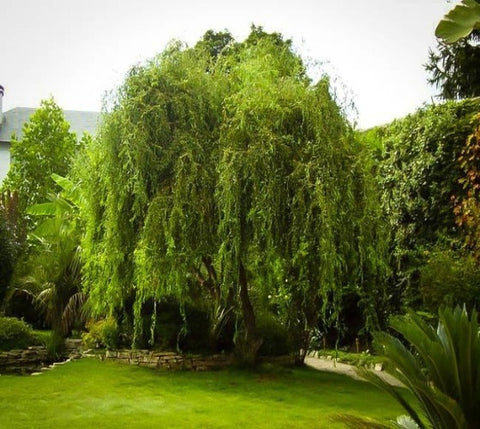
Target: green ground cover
357,359
91,393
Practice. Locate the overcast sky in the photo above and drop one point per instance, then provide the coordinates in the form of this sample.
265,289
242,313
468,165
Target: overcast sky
75,50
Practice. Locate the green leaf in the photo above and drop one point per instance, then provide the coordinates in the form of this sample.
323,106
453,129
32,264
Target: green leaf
43,209
459,22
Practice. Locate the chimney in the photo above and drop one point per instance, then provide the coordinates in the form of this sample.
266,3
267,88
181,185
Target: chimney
2,91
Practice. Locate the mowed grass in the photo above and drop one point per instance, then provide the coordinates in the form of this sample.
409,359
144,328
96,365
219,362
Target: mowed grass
94,394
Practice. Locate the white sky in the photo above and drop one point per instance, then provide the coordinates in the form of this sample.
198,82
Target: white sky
77,50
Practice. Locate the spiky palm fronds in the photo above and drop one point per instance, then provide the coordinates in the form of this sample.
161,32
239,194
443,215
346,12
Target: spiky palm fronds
441,367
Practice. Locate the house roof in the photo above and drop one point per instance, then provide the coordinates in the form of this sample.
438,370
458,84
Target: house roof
14,119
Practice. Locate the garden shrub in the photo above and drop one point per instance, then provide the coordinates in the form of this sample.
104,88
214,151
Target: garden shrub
449,278
439,366
16,334
419,172
102,333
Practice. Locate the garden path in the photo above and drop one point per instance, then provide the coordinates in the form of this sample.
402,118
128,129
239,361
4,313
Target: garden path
331,365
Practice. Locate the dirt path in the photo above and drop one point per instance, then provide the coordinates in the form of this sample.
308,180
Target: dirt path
331,365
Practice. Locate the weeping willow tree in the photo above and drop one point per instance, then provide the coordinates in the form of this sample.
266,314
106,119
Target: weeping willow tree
226,177
151,217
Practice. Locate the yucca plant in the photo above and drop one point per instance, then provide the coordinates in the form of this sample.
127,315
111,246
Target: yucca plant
441,368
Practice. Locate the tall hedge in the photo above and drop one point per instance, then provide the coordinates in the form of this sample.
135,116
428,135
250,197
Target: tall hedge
419,174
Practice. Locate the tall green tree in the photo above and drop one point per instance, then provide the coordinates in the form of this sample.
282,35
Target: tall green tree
224,177
292,194
47,146
150,185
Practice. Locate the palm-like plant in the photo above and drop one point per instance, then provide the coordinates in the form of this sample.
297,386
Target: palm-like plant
54,270
440,367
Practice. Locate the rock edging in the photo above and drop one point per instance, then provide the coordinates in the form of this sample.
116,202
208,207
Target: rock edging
168,360
35,358
21,361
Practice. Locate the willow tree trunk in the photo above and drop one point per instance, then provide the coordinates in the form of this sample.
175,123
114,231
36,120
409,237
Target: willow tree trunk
248,344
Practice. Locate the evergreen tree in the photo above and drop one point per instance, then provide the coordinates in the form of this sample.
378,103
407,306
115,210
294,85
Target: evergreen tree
455,68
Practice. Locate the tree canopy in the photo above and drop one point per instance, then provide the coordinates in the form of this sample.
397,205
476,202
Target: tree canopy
228,177
47,146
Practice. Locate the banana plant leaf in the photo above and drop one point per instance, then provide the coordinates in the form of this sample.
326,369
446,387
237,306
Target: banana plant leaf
459,22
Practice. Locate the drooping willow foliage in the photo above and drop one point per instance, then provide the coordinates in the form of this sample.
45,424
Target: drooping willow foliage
223,176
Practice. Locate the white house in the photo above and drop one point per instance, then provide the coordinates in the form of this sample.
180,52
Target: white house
12,121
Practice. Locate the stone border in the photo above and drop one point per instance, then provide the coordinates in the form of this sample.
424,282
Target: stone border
167,360
35,358
23,361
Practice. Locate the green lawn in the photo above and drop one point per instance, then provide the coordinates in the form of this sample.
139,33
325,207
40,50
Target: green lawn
95,394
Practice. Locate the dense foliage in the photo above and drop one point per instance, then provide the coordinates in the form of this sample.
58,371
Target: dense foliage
449,277
51,274
102,333
467,204
16,334
45,262
226,178
47,146
6,256
419,173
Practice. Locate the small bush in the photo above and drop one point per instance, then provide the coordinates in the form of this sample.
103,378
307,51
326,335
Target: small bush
16,334
449,278
103,333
